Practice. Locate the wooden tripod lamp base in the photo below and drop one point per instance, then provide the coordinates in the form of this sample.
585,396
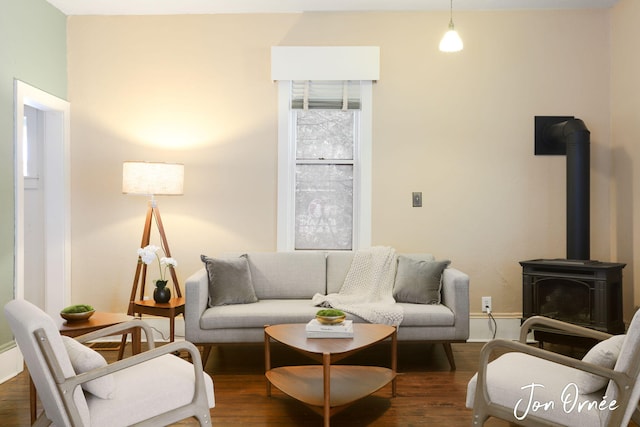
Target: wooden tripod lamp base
141,306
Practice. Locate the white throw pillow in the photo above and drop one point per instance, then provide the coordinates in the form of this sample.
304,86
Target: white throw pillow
604,354
83,359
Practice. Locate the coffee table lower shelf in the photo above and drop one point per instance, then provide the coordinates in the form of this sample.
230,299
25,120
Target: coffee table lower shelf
347,384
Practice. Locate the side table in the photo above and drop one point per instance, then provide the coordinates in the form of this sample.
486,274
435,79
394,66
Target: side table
99,320
170,309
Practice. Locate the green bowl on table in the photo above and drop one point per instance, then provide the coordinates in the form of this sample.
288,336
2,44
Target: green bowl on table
77,312
330,316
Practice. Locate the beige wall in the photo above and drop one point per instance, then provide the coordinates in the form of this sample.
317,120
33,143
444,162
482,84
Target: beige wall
458,127
625,124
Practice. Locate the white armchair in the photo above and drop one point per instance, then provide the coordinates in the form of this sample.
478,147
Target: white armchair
534,387
149,389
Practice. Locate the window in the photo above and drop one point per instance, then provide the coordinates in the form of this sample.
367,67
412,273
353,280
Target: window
324,165
31,145
324,178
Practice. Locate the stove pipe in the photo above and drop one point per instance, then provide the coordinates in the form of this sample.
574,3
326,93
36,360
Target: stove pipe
576,137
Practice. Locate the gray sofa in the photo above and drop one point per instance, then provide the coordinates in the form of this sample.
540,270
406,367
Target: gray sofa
285,282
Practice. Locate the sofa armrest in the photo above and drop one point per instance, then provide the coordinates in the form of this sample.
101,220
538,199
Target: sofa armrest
455,295
196,302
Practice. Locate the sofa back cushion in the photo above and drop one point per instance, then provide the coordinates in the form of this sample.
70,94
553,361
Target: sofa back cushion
338,264
284,275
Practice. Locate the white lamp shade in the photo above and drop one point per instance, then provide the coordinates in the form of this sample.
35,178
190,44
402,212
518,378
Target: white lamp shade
152,178
451,42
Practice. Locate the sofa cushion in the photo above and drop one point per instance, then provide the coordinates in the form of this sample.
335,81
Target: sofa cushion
264,312
277,311
292,275
418,281
83,359
432,315
229,281
142,392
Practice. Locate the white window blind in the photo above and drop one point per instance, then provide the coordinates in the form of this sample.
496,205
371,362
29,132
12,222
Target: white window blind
326,95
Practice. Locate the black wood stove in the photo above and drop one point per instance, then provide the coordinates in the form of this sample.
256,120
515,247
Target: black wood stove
576,289
585,293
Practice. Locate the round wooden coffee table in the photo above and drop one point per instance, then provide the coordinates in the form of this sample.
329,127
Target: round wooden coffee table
329,389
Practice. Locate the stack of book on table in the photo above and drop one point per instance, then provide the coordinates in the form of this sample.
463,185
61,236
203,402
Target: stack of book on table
316,329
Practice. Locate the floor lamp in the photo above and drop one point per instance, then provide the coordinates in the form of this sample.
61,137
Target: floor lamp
153,179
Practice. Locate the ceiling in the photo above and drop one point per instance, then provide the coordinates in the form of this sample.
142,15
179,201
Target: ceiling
180,7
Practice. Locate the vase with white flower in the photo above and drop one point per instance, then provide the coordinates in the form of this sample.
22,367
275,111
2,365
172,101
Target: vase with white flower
149,255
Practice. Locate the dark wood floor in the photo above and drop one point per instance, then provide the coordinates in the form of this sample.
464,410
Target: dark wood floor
429,394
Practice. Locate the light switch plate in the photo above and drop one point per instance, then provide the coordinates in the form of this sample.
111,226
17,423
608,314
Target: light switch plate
417,199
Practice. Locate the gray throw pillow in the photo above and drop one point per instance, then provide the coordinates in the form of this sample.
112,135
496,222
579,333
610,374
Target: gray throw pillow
229,281
418,282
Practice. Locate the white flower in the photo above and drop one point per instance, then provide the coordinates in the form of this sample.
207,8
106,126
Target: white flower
168,261
149,254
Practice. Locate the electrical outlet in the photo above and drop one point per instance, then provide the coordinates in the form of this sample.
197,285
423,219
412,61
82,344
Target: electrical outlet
486,304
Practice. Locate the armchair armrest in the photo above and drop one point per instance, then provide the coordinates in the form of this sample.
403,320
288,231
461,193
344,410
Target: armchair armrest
119,329
620,378
455,295
534,321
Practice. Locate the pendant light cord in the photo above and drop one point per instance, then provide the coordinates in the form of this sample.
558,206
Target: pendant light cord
450,13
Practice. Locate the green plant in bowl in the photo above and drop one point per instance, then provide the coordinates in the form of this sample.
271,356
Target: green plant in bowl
330,316
77,308
330,312
77,312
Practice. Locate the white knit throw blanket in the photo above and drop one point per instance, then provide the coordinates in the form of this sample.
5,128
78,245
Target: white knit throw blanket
367,290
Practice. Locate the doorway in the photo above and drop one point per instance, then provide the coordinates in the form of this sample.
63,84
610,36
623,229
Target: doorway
41,238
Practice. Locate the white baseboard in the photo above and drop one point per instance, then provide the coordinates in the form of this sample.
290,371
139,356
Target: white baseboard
160,326
481,327
11,364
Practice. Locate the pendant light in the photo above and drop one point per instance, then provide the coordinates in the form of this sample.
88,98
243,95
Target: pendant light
451,42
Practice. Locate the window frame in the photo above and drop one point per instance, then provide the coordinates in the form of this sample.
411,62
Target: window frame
287,162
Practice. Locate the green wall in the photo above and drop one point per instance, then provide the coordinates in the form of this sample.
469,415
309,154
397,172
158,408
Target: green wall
33,39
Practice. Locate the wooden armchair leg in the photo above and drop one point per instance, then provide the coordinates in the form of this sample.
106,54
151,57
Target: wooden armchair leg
123,344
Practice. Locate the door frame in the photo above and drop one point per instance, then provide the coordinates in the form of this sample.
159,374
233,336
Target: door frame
57,230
